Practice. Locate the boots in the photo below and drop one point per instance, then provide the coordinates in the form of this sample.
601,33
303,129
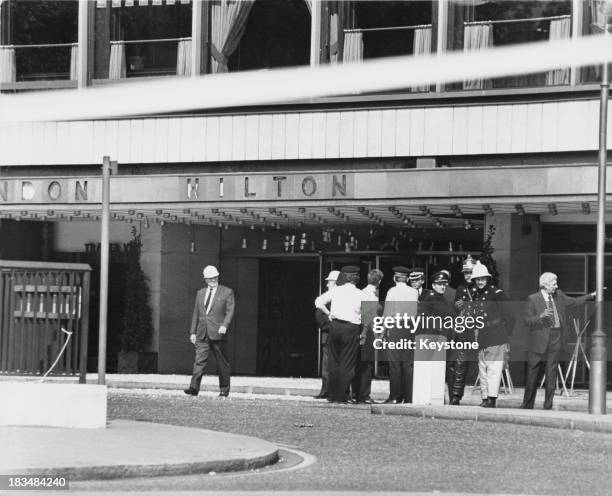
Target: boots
491,402
484,403
454,400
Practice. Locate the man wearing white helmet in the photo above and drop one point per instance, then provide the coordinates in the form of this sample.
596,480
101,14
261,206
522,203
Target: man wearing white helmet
324,324
491,304
212,315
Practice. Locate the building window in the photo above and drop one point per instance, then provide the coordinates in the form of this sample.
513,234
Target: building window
481,24
276,34
39,40
137,40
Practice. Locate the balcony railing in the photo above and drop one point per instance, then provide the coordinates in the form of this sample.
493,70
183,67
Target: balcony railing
140,58
38,62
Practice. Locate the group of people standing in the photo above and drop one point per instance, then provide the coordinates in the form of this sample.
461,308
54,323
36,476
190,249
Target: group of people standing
345,315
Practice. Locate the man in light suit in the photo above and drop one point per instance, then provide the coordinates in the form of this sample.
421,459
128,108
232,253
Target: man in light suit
212,315
545,315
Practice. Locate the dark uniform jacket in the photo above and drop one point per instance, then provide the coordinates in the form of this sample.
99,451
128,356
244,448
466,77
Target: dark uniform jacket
540,334
323,323
493,306
436,305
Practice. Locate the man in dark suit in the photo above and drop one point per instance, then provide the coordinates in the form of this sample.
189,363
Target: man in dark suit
545,315
212,315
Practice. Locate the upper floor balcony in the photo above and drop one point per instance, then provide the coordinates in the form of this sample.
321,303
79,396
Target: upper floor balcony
42,43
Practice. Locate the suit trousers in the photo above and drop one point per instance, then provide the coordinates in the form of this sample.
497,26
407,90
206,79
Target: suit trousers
324,365
491,367
539,363
203,347
362,383
343,345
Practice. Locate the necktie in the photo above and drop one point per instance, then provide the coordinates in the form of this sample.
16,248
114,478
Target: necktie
556,321
208,298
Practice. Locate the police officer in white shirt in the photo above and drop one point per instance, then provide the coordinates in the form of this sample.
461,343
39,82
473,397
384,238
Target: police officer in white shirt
401,299
345,316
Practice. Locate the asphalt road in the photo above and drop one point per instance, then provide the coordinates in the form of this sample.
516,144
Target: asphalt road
359,451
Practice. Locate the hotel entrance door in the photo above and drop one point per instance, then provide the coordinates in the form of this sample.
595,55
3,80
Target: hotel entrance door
287,332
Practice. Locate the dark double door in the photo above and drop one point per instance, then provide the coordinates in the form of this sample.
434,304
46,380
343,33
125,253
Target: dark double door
287,338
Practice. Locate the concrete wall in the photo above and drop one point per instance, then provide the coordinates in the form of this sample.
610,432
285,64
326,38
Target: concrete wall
72,236
180,276
517,243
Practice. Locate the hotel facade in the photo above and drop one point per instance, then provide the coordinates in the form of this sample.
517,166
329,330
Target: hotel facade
278,195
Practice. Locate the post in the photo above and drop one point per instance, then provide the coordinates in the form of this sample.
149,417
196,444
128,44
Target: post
85,283
441,35
83,46
196,38
597,377
106,171
315,33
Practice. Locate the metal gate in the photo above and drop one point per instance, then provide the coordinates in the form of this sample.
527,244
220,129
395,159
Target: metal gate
42,306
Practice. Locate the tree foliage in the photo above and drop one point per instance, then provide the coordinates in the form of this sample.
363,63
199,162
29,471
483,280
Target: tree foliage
136,326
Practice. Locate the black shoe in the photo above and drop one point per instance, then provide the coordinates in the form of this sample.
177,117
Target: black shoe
525,407
320,396
223,394
454,400
547,407
191,391
491,402
485,403
389,400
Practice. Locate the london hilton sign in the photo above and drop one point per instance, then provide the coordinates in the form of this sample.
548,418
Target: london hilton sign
197,188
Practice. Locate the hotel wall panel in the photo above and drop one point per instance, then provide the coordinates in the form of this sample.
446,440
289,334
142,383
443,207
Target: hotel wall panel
123,142
402,132
278,136
534,128
292,138
489,129
212,139
318,134
136,139
305,136
504,129
519,129
185,139
347,134
332,144
388,133
199,139
417,131
474,130
265,137
161,141
360,134
239,137
148,140
460,130
549,127
252,137
374,133
226,138
445,144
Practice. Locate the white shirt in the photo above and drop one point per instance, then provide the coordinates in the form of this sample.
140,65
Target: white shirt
370,293
401,299
550,302
345,302
212,297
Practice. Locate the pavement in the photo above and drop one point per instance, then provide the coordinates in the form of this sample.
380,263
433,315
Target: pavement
305,388
129,449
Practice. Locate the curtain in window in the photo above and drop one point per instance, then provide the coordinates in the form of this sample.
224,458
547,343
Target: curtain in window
183,58
229,19
422,46
74,53
353,47
116,65
7,65
477,37
560,29
342,16
309,5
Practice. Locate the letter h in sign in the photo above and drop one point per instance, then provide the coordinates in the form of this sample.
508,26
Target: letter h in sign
193,188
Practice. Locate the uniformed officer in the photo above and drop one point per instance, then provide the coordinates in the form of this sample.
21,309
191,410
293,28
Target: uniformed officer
417,279
364,370
435,304
464,357
324,324
491,303
345,317
401,299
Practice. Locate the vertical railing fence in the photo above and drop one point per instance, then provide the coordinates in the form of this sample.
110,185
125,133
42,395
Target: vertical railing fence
37,301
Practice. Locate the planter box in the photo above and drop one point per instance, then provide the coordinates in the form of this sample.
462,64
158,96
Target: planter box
53,405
